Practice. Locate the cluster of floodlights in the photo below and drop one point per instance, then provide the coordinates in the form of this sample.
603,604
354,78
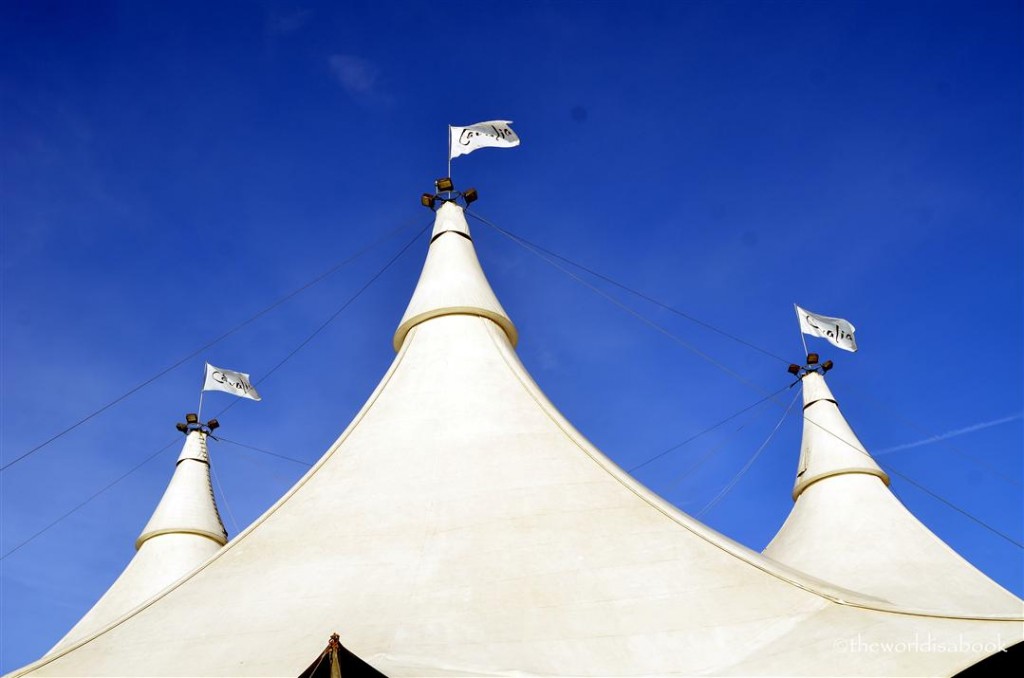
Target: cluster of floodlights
445,185
811,366
192,424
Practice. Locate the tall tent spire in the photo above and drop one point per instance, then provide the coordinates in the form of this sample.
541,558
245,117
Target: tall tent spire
452,281
848,528
829,447
183,532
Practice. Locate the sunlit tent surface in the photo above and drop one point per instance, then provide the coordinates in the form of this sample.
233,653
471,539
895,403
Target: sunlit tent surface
461,526
847,528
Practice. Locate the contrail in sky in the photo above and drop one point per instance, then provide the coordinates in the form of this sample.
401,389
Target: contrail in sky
952,434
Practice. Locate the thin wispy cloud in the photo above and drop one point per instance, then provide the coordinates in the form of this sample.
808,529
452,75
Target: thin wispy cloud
290,22
357,75
952,434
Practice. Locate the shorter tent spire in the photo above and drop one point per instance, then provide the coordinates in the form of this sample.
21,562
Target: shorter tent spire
847,527
829,447
183,532
188,505
452,281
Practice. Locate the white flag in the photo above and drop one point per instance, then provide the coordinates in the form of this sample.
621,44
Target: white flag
237,383
463,140
836,331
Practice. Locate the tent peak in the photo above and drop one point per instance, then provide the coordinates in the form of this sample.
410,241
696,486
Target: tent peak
450,218
188,505
195,447
829,446
452,281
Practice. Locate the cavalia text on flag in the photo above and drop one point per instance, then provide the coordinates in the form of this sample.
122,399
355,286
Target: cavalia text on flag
229,381
836,331
493,133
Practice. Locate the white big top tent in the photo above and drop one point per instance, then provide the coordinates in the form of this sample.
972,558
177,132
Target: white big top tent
460,526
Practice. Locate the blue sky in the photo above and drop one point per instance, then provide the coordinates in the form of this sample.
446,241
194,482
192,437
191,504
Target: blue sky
170,170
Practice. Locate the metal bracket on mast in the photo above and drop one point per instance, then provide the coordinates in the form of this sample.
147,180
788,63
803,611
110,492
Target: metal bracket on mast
812,365
192,423
445,185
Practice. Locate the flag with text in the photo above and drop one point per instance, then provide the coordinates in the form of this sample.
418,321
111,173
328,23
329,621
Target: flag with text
236,383
463,140
836,331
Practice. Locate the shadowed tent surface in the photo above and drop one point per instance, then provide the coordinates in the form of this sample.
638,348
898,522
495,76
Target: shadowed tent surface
461,526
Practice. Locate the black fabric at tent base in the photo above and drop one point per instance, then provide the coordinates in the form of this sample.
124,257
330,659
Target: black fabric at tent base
1003,663
338,662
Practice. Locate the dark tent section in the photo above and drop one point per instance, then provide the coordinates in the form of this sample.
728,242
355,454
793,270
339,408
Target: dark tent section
337,662
1003,663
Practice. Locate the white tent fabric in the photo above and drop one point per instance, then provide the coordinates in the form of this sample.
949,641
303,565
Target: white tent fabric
847,528
184,531
452,281
460,526
829,446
